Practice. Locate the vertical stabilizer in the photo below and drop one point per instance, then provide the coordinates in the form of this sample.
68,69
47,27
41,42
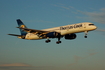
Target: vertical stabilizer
21,24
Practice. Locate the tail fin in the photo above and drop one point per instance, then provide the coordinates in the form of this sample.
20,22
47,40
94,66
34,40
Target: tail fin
21,24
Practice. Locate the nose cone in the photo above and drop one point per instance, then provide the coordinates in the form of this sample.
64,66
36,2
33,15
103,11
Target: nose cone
95,27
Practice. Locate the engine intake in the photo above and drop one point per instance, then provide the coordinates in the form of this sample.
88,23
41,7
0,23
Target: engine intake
70,36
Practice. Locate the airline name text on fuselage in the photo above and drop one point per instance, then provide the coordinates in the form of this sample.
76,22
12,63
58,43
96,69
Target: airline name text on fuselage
71,27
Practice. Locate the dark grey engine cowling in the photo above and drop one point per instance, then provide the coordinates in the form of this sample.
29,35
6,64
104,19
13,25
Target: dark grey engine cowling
70,36
53,35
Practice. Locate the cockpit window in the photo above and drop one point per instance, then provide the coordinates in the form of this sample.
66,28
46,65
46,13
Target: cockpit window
91,24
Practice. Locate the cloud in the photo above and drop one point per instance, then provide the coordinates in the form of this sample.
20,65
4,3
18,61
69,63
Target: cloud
102,30
102,9
98,16
61,6
22,66
15,65
77,58
91,54
65,7
93,16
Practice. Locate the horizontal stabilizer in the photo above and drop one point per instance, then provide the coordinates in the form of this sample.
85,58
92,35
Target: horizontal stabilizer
14,35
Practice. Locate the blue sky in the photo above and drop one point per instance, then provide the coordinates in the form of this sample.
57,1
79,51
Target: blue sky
78,54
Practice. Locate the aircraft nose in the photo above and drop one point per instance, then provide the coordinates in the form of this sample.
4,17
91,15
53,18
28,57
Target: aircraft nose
95,27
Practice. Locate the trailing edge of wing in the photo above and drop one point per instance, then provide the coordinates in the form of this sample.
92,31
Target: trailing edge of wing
33,30
14,35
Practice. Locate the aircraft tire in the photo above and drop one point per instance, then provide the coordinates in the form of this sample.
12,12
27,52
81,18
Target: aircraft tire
85,36
47,41
58,42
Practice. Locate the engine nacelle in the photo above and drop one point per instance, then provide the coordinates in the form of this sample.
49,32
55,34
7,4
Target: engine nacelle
70,36
52,34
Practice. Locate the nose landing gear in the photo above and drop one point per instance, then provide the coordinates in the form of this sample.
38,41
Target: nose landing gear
85,34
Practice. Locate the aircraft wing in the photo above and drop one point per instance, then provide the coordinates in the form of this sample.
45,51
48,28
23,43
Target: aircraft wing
34,30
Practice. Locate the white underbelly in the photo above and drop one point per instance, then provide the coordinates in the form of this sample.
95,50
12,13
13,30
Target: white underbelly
31,36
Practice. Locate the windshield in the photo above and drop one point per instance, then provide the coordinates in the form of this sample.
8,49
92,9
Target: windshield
91,24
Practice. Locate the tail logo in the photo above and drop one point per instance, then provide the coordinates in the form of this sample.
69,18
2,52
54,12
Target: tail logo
22,26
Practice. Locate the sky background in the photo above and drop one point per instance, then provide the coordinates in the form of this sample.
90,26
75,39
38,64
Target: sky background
78,54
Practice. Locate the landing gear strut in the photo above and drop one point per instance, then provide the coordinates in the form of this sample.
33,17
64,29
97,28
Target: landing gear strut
57,36
85,34
58,40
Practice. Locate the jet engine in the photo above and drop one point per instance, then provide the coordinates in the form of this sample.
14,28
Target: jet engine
53,34
70,36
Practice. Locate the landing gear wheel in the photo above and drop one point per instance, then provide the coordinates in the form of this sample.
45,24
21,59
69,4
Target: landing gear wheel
85,36
47,41
58,42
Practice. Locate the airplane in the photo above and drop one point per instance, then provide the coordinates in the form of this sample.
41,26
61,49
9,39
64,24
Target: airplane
67,31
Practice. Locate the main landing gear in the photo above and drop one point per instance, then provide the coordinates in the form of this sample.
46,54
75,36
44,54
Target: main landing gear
47,41
58,42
